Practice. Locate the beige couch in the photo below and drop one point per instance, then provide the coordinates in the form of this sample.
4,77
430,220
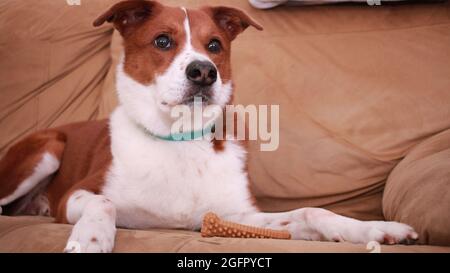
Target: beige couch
364,95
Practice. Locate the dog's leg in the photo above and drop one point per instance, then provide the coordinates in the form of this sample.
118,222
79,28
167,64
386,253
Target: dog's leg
28,164
322,225
94,217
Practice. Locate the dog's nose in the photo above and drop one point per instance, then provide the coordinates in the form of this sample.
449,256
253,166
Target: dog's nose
201,73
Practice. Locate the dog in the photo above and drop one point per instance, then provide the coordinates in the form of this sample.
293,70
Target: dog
124,172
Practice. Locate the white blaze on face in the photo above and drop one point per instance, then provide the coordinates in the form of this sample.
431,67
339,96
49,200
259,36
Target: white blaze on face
187,29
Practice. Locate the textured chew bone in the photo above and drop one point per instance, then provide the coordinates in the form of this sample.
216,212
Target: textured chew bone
213,226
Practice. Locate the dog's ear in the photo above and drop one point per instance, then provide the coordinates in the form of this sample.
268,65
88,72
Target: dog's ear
127,14
233,21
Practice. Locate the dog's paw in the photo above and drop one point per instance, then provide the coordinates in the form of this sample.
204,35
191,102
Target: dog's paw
382,232
394,233
91,236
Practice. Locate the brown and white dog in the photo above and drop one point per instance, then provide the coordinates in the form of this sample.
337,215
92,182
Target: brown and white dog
99,175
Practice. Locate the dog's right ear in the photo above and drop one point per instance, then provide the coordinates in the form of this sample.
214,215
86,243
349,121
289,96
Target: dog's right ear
127,14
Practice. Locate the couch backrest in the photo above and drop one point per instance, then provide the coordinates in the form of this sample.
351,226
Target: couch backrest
53,64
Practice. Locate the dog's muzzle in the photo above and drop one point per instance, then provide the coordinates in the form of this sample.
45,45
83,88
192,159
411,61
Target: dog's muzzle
201,75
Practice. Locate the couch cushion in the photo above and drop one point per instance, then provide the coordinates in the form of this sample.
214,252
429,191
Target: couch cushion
53,63
417,191
39,234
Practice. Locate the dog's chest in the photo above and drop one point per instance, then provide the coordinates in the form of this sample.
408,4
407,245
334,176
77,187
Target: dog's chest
173,184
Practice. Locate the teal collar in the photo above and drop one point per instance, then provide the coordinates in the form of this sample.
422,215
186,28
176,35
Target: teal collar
187,136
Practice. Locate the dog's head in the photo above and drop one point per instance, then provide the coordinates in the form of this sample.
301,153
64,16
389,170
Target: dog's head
173,55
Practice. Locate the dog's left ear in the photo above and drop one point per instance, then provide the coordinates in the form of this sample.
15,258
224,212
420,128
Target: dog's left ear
127,14
233,21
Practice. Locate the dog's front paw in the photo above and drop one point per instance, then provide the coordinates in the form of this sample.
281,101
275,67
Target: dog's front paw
91,237
382,232
394,233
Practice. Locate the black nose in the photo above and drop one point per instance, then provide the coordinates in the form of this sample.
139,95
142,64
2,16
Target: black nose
201,73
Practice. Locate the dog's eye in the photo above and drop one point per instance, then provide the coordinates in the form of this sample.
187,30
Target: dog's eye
214,46
163,42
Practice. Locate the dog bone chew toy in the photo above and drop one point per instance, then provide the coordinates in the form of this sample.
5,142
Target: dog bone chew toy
213,226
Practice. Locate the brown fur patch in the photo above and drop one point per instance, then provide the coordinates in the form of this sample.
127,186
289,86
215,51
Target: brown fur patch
143,60
86,160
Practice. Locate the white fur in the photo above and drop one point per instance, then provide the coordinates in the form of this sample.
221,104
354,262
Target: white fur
48,165
156,183
321,225
94,217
